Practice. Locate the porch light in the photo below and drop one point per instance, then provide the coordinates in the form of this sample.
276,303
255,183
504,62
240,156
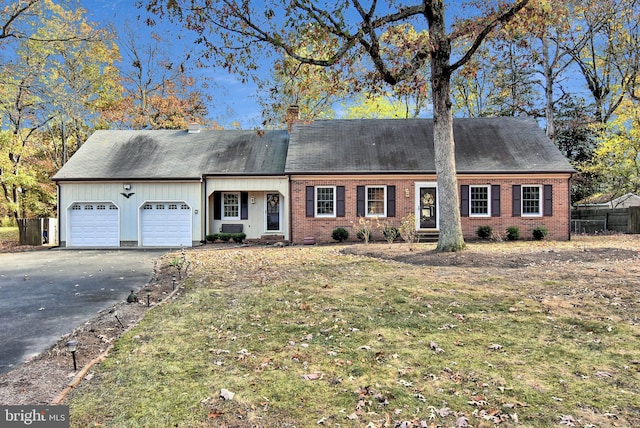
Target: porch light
72,346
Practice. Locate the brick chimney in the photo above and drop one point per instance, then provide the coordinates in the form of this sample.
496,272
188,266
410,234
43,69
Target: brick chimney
292,115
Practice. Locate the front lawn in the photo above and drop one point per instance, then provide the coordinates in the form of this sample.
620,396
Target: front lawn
312,336
9,236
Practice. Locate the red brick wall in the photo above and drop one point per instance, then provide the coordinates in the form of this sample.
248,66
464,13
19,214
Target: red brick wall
321,228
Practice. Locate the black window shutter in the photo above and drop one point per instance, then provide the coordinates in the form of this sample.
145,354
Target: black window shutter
360,201
217,205
548,200
309,198
340,201
464,200
495,200
517,195
244,206
391,201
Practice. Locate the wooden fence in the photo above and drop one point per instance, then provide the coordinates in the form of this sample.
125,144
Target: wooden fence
37,231
623,220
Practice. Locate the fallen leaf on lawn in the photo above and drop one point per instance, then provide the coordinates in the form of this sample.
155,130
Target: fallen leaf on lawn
214,415
312,376
567,420
462,421
495,347
227,395
353,417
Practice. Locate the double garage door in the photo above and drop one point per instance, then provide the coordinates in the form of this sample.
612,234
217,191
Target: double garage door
162,224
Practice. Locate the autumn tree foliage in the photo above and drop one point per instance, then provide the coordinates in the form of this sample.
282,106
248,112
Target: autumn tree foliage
235,34
156,92
54,74
616,158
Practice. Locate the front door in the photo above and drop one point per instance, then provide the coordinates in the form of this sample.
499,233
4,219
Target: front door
427,208
273,212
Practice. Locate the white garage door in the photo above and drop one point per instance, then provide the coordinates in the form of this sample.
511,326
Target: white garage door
166,224
93,224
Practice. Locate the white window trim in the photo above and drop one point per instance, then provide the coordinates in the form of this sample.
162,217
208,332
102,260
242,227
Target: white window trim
488,213
315,201
540,200
222,216
366,202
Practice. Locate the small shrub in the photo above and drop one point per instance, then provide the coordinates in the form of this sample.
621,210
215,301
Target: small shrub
236,237
513,233
340,234
364,232
484,232
212,237
540,233
389,232
364,235
408,228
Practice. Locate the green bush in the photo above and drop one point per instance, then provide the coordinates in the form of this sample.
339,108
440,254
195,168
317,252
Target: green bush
484,232
390,234
340,234
226,237
513,233
540,232
212,238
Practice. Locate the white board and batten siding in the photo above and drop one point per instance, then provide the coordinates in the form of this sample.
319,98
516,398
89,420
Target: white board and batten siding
123,222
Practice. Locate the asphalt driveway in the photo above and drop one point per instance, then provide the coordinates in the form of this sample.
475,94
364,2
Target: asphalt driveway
46,294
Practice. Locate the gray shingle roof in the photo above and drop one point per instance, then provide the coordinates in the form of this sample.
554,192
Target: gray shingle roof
176,155
483,145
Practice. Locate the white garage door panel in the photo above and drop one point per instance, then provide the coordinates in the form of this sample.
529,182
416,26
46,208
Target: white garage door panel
93,225
166,224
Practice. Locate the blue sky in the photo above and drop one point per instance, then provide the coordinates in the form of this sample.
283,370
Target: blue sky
233,101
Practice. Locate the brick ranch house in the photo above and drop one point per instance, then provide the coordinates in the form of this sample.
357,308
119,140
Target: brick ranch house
171,188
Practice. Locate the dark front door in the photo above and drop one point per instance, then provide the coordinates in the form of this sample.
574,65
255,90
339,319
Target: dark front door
428,208
273,212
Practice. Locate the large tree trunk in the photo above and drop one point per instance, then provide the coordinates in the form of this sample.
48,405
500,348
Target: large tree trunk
548,92
451,238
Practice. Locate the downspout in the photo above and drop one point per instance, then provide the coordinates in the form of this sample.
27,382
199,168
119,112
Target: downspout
59,216
204,210
569,204
290,210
